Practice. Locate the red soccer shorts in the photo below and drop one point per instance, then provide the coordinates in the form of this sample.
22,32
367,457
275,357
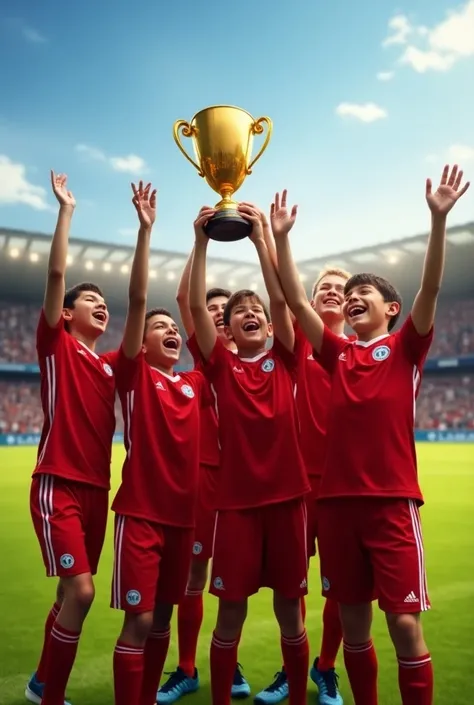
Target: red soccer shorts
70,519
373,546
261,547
151,564
312,506
205,514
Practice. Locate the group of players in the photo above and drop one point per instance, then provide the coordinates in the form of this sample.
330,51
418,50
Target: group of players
247,460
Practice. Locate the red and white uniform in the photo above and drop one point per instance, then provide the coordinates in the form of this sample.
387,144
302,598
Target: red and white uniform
155,504
69,491
369,495
208,480
262,484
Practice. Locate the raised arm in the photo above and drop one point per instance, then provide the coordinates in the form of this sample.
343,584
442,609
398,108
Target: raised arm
182,297
55,283
310,322
144,200
439,203
280,314
204,327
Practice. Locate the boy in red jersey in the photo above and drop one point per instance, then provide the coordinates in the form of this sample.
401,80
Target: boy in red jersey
370,497
69,491
262,484
313,392
185,679
155,504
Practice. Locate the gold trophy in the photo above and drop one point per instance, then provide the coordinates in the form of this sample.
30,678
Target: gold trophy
222,137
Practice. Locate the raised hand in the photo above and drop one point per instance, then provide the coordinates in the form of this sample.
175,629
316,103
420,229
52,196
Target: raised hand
280,218
255,217
200,223
59,186
144,200
443,199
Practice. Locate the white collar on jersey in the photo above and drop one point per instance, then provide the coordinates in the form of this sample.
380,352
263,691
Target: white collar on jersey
94,354
366,343
176,378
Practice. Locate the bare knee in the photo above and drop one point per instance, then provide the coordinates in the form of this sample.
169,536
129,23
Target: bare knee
230,619
356,621
79,590
407,634
288,614
136,628
162,616
198,576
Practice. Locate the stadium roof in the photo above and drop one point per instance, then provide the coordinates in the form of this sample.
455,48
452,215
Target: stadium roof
23,258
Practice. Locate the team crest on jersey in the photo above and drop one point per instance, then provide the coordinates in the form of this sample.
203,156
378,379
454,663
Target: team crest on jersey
197,548
133,597
187,391
67,561
218,584
381,352
108,370
268,365
343,357
326,584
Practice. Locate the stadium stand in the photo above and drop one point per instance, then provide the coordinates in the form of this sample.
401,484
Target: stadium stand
446,403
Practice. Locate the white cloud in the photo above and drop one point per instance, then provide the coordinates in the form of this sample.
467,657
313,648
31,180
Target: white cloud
460,153
367,112
385,75
15,188
399,31
32,35
437,48
131,164
127,232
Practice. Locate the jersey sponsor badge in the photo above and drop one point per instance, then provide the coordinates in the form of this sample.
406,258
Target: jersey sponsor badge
67,561
380,353
133,597
108,370
197,548
187,391
268,365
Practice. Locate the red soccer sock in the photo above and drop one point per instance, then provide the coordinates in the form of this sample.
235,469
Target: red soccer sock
415,679
332,636
128,674
62,649
50,620
190,614
295,652
303,609
361,667
223,665
156,650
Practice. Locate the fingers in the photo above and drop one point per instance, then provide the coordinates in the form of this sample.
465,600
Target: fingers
453,175
153,198
428,188
249,213
53,178
444,175
294,212
463,190
457,183
205,214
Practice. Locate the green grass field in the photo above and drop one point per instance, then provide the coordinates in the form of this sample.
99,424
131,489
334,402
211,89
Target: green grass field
447,474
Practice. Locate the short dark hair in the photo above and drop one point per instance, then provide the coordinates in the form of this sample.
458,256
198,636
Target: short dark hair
158,311
383,286
237,298
214,293
73,293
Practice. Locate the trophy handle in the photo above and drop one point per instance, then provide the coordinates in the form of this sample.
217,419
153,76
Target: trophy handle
257,129
187,130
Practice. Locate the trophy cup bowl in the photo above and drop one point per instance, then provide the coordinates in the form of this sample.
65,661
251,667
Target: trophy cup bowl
222,138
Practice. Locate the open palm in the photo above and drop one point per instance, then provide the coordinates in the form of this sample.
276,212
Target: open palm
448,192
281,219
144,200
59,186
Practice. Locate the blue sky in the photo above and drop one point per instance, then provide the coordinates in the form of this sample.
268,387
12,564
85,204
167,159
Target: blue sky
367,100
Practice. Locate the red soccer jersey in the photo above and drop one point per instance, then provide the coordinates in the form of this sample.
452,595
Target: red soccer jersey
260,461
162,427
78,396
370,439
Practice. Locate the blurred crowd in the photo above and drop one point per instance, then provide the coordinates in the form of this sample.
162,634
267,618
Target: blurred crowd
445,402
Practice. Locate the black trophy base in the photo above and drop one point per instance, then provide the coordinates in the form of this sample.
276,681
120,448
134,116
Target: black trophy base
227,226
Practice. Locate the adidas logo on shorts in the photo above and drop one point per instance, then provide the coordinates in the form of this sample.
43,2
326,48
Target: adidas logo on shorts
411,597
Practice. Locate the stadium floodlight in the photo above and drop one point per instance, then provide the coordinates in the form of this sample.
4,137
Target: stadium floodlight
124,268
14,252
34,257
107,267
89,266
170,276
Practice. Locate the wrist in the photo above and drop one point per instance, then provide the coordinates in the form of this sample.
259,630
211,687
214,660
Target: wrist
66,208
201,244
145,229
439,218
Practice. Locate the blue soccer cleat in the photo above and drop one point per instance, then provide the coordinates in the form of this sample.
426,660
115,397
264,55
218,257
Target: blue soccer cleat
240,688
177,685
34,691
276,691
327,685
